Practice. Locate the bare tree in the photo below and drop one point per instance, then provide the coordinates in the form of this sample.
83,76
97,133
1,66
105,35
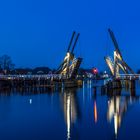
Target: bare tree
6,63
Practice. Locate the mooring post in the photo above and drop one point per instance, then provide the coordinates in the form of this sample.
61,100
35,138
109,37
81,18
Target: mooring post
132,84
63,86
95,90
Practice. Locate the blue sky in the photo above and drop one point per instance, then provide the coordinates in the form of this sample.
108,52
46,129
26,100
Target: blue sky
37,33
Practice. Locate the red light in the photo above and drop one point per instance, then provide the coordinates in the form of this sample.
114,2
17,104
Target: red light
95,71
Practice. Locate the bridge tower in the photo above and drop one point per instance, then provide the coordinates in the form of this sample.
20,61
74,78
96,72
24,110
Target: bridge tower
70,65
117,65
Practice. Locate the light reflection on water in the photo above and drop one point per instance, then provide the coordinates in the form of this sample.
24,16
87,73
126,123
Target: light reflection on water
71,114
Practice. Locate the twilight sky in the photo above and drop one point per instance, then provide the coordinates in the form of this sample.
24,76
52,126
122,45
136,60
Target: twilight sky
37,32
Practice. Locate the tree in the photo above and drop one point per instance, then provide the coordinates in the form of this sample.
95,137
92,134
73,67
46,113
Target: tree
6,63
138,72
41,70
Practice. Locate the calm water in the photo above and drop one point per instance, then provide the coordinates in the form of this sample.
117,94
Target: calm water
76,114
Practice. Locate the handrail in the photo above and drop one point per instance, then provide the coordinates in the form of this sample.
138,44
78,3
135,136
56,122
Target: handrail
128,76
46,76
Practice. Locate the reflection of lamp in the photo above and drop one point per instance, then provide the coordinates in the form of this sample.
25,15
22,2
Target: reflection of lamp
116,124
68,117
83,91
30,101
110,110
114,111
117,107
95,112
70,111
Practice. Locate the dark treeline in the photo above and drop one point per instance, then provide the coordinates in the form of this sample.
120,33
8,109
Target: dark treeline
37,70
29,71
8,67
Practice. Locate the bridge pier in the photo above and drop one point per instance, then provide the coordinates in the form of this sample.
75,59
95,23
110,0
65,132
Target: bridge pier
115,84
132,84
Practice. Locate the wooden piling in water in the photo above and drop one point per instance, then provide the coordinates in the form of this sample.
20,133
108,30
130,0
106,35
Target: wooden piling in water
115,84
132,84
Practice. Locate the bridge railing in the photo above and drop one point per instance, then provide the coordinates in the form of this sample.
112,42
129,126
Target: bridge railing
46,76
128,76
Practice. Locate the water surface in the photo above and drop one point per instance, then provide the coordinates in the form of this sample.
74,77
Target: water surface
72,114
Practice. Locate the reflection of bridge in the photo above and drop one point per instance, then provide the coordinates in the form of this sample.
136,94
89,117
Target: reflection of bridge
70,108
118,107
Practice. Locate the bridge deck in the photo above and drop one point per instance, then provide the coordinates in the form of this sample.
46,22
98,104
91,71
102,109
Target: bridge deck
30,77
